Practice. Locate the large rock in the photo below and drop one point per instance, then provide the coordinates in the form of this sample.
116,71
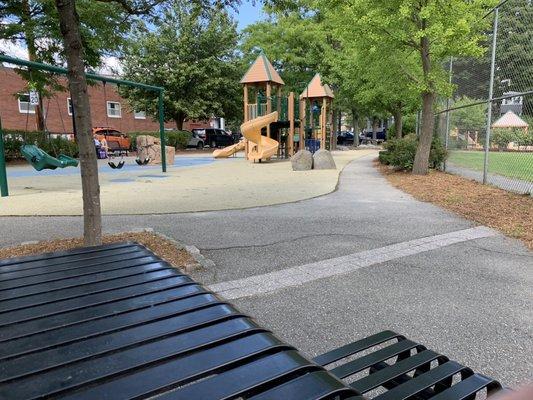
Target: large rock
145,140
323,159
150,147
302,161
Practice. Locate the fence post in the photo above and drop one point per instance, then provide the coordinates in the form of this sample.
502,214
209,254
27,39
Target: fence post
4,192
448,102
491,93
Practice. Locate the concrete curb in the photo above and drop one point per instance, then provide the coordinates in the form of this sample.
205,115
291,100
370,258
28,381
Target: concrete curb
194,251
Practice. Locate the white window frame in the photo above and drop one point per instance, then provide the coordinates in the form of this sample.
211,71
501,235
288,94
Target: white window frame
139,114
70,106
30,109
119,109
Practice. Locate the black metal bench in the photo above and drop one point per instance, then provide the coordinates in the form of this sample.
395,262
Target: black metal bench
116,322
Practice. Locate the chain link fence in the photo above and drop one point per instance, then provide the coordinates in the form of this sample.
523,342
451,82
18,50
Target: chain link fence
487,125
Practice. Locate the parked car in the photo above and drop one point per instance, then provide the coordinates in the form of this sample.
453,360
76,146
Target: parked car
366,137
214,137
345,138
116,140
196,141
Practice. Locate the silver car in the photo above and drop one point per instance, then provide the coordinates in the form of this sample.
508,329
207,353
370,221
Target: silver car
196,141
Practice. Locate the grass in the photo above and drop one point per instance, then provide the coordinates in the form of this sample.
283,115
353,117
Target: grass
511,164
508,212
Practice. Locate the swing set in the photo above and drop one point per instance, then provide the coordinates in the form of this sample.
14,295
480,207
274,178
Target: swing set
40,159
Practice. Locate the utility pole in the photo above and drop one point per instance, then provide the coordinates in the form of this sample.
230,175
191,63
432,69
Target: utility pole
448,102
491,93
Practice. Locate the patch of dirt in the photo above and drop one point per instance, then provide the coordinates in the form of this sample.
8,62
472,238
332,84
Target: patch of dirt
162,247
508,212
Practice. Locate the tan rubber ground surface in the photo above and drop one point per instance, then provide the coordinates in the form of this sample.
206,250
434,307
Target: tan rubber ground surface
221,185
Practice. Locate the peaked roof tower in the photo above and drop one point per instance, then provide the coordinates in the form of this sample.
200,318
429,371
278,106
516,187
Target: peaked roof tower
262,71
317,89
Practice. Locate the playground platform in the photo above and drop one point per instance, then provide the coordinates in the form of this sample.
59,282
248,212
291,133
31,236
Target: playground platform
193,183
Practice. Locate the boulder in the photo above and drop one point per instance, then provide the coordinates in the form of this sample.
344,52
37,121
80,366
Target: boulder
302,161
323,159
144,140
150,147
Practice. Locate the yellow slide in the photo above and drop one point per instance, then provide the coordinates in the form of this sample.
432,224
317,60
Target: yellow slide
229,151
261,147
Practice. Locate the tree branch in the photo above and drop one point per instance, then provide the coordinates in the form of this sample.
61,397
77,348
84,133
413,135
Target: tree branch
132,9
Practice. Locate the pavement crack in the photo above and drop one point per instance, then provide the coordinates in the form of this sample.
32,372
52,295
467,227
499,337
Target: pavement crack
505,253
287,241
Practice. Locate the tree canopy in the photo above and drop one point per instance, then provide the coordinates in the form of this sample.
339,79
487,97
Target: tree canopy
192,53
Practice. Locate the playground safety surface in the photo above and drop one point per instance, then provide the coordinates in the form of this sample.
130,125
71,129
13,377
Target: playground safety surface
194,186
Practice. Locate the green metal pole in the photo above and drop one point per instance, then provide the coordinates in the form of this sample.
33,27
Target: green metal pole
161,111
3,175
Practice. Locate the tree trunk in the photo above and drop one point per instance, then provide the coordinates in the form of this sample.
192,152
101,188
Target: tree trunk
70,30
179,123
339,124
335,129
355,123
375,125
421,162
398,122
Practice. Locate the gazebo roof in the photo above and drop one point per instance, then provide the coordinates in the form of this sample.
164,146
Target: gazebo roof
262,71
510,120
317,89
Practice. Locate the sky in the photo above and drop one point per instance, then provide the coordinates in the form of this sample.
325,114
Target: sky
248,13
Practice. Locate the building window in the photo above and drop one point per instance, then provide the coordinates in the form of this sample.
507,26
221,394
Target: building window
139,114
113,109
24,104
69,106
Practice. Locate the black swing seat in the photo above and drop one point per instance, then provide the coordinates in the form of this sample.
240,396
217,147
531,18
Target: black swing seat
142,162
40,159
116,321
116,166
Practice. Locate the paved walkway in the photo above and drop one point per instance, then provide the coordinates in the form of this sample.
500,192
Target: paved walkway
368,257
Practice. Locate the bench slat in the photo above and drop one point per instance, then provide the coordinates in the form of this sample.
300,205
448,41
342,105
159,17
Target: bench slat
422,382
312,386
368,360
88,329
58,380
176,372
356,347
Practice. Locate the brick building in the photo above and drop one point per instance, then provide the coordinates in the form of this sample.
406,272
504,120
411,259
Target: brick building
110,110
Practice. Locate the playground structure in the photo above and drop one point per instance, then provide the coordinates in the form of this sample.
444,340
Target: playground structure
275,124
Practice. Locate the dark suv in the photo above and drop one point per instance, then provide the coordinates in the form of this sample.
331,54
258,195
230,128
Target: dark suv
214,137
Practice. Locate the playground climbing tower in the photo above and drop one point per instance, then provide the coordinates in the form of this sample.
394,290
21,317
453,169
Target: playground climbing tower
317,100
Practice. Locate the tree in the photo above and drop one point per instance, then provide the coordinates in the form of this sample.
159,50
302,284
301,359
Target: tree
471,118
35,24
294,42
432,29
193,55
73,48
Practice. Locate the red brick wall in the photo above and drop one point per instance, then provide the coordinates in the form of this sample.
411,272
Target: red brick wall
58,119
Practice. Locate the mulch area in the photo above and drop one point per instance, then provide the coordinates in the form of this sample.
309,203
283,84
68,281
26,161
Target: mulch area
510,213
165,249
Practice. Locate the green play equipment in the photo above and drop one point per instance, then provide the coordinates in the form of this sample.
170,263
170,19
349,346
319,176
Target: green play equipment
40,159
